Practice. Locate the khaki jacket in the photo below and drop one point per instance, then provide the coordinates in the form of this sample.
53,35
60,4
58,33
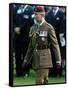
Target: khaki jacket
42,57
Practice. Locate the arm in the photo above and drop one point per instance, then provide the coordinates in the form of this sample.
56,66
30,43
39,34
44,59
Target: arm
30,48
54,43
28,54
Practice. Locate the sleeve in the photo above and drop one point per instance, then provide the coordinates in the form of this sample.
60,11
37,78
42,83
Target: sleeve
54,43
29,50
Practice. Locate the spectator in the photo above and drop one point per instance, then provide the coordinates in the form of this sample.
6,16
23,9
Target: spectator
55,18
23,22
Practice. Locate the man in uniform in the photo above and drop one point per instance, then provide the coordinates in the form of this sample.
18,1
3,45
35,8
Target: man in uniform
42,36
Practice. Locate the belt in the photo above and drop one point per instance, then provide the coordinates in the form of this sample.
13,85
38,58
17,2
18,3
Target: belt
43,47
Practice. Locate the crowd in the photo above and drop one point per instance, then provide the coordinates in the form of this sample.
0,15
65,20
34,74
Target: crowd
23,19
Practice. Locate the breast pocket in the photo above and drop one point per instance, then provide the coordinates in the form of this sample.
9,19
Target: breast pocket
43,33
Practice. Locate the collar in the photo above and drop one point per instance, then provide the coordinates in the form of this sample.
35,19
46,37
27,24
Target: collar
55,11
39,24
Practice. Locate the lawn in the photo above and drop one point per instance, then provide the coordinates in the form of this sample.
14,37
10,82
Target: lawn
31,80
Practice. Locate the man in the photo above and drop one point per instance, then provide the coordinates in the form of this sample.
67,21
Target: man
62,35
55,18
23,21
42,36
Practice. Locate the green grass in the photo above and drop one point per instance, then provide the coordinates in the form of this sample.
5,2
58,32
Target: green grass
31,80
25,81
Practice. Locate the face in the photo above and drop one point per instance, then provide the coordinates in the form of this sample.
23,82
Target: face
38,17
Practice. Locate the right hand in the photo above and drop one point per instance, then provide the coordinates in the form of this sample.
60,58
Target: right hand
17,30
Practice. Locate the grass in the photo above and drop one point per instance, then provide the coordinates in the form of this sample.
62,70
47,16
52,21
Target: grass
31,80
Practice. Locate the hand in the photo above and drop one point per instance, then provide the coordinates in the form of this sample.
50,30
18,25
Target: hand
17,30
58,65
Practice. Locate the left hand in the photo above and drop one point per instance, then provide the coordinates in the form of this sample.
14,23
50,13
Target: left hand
17,30
58,65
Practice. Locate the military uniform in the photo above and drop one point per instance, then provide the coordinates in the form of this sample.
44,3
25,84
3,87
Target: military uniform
42,36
